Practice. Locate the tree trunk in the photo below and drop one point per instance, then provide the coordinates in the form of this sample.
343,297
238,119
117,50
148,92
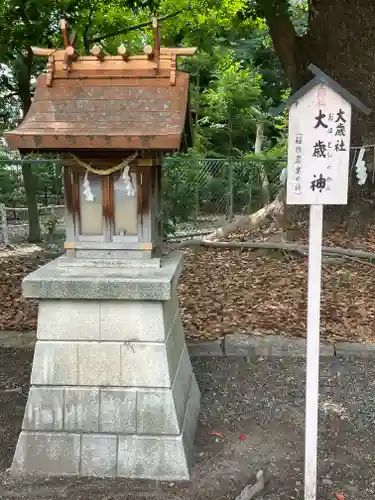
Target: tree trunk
265,194
340,42
24,88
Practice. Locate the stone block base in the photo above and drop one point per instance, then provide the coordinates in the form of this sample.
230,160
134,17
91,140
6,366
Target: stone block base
160,457
112,388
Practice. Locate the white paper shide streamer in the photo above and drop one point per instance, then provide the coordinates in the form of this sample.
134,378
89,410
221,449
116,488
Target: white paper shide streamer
283,176
129,188
360,168
87,193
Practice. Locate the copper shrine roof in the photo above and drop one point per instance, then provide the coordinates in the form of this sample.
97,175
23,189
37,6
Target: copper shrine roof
106,102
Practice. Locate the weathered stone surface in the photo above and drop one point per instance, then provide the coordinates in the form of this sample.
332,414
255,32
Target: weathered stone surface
144,365
55,363
118,411
209,348
54,281
99,363
270,345
175,346
99,455
138,258
353,350
190,420
115,372
181,386
132,321
68,320
17,340
151,364
157,413
44,409
171,308
81,409
47,453
146,457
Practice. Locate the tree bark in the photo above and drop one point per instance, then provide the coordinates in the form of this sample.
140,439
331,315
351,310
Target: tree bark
265,193
339,41
291,49
24,88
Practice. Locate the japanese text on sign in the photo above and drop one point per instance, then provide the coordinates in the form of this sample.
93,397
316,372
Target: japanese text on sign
318,149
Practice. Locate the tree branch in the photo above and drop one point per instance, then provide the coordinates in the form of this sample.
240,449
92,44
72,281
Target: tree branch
136,27
285,41
8,96
252,221
86,41
288,247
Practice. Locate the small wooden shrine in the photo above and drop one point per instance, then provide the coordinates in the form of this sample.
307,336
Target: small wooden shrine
112,119
113,391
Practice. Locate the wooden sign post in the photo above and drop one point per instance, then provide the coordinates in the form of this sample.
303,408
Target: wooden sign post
317,175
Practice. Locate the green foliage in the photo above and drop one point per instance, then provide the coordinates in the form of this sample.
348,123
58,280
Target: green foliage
229,108
236,78
50,223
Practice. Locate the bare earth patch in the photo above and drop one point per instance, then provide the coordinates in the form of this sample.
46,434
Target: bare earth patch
252,417
228,291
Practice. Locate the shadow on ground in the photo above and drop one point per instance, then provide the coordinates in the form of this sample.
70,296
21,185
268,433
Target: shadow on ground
257,407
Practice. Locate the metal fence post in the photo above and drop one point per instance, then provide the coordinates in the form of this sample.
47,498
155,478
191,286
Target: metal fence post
230,186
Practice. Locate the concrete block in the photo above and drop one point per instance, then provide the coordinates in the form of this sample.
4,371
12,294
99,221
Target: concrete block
157,412
47,454
144,365
118,411
54,281
68,320
170,309
44,409
81,409
152,364
209,348
160,458
175,346
132,321
181,385
190,420
99,363
99,455
269,345
55,363
354,350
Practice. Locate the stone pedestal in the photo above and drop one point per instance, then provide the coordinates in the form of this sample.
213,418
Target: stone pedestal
112,388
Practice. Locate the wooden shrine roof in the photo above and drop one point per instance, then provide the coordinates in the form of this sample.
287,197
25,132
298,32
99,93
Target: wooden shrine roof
111,113
106,102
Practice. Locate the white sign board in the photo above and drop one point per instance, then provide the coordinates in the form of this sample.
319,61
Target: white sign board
318,148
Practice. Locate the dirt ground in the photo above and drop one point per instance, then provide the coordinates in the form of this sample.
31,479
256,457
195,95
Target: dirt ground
257,408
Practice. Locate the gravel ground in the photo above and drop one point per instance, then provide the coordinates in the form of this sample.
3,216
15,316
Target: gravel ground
258,409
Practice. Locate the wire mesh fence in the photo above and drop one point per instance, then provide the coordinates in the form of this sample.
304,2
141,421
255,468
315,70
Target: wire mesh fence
206,194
